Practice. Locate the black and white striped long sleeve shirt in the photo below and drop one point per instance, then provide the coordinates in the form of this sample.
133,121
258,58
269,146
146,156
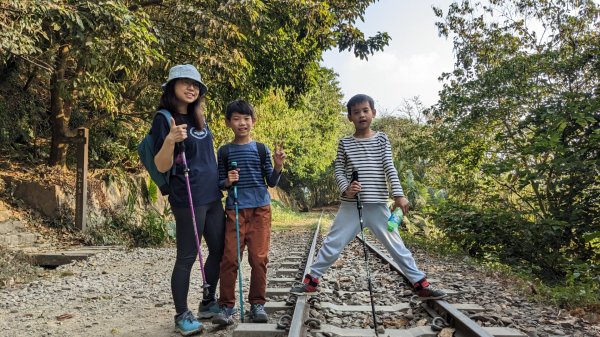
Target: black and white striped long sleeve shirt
372,158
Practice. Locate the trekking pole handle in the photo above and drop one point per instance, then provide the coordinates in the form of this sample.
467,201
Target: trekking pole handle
233,166
355,178
181,148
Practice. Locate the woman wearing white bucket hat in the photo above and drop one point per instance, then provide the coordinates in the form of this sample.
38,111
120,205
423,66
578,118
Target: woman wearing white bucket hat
187,132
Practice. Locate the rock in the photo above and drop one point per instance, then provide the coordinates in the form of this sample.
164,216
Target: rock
422,322
569,324
127,289
446,332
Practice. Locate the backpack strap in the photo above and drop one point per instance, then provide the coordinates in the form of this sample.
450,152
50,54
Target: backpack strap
262,154
167,115
223,155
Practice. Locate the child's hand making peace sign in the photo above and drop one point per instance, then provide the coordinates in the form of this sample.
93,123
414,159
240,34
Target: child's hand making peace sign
278,156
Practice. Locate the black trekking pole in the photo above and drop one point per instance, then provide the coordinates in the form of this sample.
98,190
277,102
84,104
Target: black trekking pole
237,232
360,219
186,171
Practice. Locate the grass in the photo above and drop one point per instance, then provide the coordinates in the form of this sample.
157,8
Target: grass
285,218
582,296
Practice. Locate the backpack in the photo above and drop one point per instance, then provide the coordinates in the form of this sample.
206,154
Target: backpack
146,154
223,155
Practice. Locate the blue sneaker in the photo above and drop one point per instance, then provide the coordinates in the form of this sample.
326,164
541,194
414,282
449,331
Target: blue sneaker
187,324
225,317
258,313
208,310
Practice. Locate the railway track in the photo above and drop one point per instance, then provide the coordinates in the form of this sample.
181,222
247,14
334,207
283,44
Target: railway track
342,308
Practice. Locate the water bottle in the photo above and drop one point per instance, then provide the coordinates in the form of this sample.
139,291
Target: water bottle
395,219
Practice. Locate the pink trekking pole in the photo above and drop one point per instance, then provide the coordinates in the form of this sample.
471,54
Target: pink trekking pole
186,171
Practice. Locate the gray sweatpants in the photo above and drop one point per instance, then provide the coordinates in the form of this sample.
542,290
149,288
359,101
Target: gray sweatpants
346,226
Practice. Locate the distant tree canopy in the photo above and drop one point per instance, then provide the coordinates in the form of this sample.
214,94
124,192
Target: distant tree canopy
506,163
519,119
105,60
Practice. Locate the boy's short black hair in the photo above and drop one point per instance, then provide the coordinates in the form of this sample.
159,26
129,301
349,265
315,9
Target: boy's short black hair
360,98
239,106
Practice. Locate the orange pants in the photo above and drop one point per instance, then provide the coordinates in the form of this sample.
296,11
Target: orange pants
255,232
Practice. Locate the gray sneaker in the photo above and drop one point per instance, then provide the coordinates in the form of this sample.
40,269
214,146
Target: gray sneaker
430,293
208,310
426,292
258,313
224,317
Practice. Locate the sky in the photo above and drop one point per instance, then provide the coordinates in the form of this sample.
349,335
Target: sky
409,66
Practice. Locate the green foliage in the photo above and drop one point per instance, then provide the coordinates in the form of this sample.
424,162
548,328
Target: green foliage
92,53
103,41
23,123
298,32
285,218
413,150
310,132
579,288
131,225
518,120
437,245
149,228
576,293
113,143
506,237
104,61
152,190
111,231
153,230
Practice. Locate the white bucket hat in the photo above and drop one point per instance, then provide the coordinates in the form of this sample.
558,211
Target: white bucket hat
186,71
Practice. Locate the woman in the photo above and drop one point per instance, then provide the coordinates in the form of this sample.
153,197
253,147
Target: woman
183,95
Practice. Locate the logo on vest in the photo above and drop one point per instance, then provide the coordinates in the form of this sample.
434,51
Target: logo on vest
198,134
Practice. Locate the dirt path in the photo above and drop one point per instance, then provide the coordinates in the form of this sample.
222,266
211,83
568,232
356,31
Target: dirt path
127,293
115,293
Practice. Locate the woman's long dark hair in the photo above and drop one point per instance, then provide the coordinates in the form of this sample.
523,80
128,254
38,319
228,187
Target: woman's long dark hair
168,99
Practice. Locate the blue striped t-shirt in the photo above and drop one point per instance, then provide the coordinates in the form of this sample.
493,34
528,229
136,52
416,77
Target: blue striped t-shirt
251,188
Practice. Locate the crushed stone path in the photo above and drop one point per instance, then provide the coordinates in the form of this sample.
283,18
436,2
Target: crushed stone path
126,292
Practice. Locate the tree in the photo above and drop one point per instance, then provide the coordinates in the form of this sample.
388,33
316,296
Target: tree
310,132
521,112
108,58
247,48
86,50
413,150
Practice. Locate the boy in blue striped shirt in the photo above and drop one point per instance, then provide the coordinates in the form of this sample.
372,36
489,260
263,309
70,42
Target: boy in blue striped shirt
254,205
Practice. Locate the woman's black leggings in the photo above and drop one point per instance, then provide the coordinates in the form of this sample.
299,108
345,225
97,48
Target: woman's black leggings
210,221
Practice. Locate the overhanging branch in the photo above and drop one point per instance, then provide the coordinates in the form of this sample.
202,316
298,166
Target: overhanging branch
145,4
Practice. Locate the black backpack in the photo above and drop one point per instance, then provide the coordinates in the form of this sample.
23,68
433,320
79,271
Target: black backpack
223,155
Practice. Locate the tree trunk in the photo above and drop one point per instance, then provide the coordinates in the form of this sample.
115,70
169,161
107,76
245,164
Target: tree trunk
59,114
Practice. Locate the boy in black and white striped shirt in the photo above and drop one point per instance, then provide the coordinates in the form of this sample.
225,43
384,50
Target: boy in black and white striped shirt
369,153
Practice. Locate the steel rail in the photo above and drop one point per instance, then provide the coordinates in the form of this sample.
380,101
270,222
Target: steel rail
297,326
465,326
